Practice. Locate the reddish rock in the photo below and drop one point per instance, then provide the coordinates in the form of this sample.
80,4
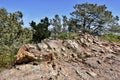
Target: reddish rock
23,55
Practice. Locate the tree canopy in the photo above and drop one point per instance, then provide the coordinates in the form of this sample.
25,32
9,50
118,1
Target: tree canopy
11,30
56,23
92,18
40,30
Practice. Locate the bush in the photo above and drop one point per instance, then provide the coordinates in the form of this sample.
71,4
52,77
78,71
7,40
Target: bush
64,36
7,56
7,60
40,30
111,37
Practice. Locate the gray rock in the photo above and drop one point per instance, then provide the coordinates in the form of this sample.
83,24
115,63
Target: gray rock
92,74
42,46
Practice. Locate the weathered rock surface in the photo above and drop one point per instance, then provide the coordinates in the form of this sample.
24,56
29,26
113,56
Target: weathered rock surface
84,58
24,54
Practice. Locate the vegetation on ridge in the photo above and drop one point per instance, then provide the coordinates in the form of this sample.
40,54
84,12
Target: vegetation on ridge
87,18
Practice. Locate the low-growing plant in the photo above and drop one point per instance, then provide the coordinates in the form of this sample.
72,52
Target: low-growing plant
64,36
7,60
7,56
38,59
111,37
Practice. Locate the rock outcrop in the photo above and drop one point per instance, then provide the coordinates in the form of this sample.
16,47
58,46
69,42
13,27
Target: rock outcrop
83,58
25,55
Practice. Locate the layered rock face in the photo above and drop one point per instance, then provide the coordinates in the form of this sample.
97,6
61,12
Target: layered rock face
83,58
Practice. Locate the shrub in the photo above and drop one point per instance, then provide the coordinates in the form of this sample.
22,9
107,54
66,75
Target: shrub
111,37
7,60
64,36
7,56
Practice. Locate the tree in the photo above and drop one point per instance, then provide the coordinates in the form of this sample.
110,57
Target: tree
10,27
12,36
72,25
114,29
25,35
56,22
65,23
92,17
40,30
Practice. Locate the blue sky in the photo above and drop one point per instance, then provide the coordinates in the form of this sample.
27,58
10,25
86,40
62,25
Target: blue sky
37,9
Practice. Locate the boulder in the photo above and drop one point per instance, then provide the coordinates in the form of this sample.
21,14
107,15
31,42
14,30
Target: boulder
28,53
23,55
42,46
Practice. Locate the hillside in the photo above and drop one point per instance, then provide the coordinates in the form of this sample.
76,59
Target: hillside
83,58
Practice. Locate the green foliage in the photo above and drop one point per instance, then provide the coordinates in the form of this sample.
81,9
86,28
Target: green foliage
65,23
40,30
25,35
56,23
12,36
72,25
38,59
7,56
11,31
115,28
7,60
81,56
92,17
111,37
64,36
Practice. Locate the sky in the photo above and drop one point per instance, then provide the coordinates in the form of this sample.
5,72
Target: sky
38,9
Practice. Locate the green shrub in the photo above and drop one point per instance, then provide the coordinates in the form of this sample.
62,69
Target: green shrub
7,56
7,60
64,36
38,59
111,37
